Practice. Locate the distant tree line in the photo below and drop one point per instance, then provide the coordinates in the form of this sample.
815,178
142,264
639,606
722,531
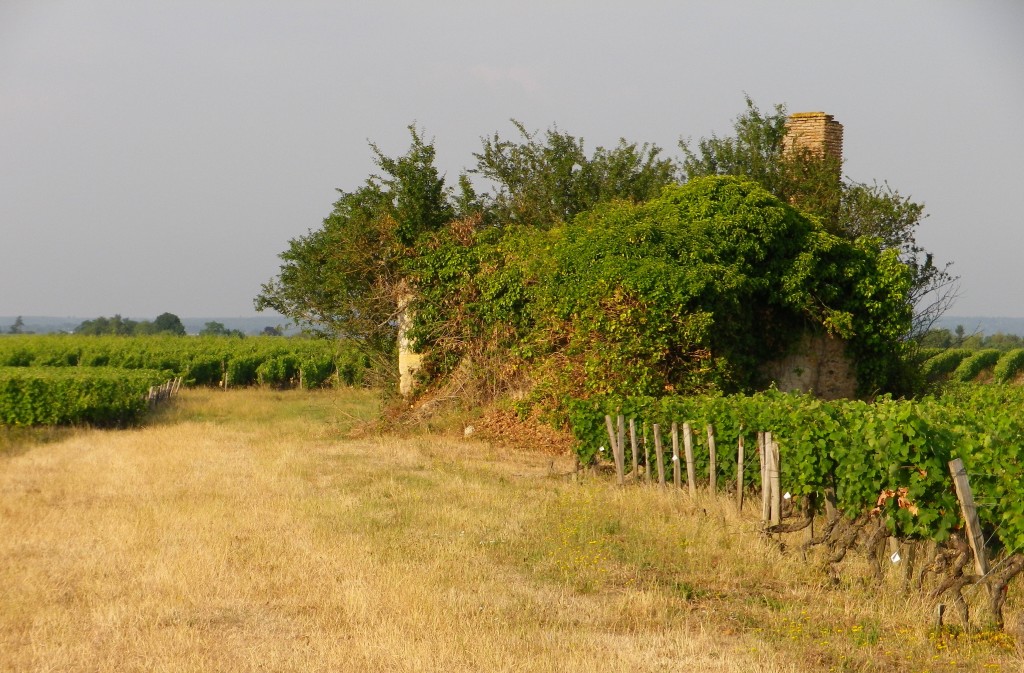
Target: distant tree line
165,323
214,328
958,338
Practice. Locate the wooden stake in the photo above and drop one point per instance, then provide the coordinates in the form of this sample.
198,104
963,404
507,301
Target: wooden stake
611,439
739,474
763,438
776,479
966,498
647,456
659,454
688,445
620,457
713,478
676,477
632,445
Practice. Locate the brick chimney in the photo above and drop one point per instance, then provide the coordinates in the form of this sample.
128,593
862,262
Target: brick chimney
817,132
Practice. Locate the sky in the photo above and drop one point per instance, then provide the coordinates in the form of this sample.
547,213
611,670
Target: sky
158,155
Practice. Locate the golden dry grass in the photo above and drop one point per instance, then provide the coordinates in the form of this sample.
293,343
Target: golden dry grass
246,531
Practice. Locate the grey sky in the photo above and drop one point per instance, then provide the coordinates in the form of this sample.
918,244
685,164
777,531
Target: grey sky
158,155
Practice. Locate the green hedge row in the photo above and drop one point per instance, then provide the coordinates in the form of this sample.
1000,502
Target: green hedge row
70,396
856,449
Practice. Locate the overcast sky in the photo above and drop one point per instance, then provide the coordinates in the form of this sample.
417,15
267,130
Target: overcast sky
158,155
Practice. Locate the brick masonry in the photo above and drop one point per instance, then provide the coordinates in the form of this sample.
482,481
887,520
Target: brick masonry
815,131
818,363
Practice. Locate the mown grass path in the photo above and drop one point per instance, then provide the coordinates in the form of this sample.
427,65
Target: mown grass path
246,531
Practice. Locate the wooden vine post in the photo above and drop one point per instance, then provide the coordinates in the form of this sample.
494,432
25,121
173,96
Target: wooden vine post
613,442
632,445
620,457
659,454
647,456
713,478
676,477
974,535
739,474
763,440
775,477
688,446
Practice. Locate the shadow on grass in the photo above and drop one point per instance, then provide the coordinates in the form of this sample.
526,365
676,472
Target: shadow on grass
16,441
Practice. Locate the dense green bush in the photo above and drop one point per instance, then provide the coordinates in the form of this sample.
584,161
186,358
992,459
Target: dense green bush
241,370
690,291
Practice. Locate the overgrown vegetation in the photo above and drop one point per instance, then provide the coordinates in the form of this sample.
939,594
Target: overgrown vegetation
687,292
883,467
582,273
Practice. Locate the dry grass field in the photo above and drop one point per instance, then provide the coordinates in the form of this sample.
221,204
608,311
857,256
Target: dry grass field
250,531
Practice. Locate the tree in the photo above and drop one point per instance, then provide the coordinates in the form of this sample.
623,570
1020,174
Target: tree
168,323
18,327
849,209
343,279
113,326
417,198
936,338
214,328
543,180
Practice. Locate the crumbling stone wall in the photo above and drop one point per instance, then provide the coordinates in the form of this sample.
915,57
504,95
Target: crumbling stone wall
408,360
819,365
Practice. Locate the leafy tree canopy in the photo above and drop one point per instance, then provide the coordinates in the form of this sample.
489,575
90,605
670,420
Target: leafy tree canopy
18,327
168,323
214,328
848,209
343,279
545,179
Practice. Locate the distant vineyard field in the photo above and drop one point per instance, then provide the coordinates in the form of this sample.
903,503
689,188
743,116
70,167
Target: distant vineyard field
965,365
203,361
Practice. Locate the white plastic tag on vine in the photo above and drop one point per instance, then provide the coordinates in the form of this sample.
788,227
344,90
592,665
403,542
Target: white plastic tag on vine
895,558
675,458
786,496
602,449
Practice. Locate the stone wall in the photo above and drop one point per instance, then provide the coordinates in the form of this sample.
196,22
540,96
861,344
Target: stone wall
408,360
818,365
